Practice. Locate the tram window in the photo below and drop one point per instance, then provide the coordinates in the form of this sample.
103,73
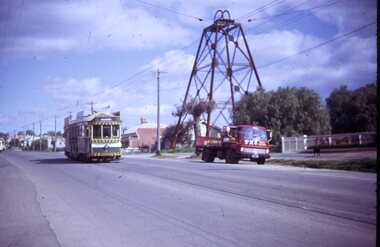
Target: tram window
97,131
115,130
106,131
87,131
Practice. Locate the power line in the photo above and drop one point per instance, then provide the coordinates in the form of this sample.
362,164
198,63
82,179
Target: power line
317,46
144,71
147,70
261,9
290,11
301,14
170,10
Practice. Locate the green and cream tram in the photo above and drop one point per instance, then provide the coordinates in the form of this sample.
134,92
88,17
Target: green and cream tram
95,137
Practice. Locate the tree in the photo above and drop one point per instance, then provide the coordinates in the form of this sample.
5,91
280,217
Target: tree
312,117
287,111
353,110
253,108
184,134
195,107
52,132
4,135
30,132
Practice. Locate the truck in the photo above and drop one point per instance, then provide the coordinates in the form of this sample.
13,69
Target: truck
236,143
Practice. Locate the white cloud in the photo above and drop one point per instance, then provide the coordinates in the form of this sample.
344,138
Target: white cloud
46,29
86,26
348,15
174,62
132,115
73,89
351,61
271,46
74,95
4,119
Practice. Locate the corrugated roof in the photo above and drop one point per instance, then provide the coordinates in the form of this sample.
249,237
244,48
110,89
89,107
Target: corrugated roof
100,115
144,126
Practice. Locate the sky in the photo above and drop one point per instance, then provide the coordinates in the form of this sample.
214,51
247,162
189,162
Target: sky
57,57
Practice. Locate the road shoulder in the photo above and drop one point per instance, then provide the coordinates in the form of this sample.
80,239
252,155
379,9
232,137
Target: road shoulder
22,222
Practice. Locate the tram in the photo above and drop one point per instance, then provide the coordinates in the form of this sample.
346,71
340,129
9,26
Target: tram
96,137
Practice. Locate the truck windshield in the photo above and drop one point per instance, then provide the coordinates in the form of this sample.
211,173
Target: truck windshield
253,133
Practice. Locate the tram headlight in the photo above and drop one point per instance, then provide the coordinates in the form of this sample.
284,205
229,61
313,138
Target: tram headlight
242,149
106,147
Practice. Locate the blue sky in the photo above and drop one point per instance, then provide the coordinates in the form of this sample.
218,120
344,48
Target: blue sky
58,56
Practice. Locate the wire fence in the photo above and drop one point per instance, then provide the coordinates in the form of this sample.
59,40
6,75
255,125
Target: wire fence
303,143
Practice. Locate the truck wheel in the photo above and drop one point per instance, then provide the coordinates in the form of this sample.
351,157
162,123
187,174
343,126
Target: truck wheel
261,161
231,157
208,156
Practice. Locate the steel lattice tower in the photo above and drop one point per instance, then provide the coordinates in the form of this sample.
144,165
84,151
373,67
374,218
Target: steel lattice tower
223,69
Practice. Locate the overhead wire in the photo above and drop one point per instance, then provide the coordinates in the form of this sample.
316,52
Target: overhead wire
147,70
144,71
319,45
169,10
261,9
300,14
292,11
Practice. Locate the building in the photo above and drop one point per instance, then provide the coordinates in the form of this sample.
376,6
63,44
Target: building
59,142
142,136
26,142
214,132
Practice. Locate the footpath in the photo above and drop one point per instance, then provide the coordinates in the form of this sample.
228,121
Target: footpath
341,155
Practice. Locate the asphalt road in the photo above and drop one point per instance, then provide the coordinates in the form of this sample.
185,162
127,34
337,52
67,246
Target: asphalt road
48,200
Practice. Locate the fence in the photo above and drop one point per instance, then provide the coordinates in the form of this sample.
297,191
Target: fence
302,143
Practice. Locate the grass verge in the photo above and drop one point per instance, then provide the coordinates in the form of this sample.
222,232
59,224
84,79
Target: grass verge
179,150
361,165
163,156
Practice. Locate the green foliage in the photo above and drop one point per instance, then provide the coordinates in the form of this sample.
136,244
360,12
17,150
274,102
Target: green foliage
4,135
29,132
180,150
362,165
286,111
353,110
195,107
52,132
184,135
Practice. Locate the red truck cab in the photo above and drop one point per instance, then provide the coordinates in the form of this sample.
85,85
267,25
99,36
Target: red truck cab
237,143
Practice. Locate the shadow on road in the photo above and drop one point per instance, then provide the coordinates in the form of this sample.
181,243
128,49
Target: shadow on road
66,161
56,161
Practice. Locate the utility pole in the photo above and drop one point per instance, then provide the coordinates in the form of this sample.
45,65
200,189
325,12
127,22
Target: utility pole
23,133
92,106
33,138
26,143
158,152
40,135
55,133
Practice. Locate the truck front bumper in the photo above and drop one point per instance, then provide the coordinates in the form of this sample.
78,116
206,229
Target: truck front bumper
254,153
255,156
